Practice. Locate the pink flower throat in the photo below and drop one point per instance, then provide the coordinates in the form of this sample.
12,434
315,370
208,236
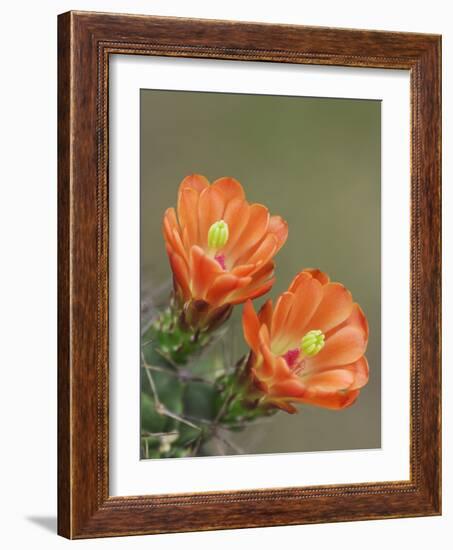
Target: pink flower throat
220,259
292,357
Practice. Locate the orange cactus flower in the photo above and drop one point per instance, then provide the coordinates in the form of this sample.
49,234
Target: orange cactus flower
220,247
309,348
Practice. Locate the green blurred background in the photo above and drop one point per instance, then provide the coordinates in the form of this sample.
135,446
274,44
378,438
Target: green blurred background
314,161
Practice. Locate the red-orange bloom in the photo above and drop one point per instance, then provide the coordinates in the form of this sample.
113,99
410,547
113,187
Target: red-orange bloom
309,348
236,262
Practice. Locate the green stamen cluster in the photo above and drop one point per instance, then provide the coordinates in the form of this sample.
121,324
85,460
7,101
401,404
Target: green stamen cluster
218,235
312,343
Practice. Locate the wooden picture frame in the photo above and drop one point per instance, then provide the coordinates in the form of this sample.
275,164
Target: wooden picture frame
85,42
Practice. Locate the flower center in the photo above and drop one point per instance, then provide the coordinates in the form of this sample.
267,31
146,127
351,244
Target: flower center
294,360
291,357
312,343
220,259
218,235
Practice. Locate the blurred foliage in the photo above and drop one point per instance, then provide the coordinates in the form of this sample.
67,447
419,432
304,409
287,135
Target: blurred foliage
191,392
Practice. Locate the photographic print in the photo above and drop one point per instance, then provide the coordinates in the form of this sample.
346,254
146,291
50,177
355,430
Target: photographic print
260,274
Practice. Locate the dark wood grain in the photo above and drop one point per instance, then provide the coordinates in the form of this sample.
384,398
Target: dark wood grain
86,40
64,369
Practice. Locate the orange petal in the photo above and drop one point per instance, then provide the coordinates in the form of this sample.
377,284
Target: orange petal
236,215
264,337
356,319
290,387
300,279
281,312
330,400
188,194
251,293
335,307
265,314
210,210
266,369
259,284
322,277
170,218
172,233
243,270
204,271
360,370
307,296
221,288
265,251
230,188
250,326
194,181
279,227
225,291
342,348
187,207
329,381
180,273
251,235
263,272
281,370
178,246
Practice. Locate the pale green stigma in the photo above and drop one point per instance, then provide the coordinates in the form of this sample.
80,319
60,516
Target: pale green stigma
218,235
312,343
